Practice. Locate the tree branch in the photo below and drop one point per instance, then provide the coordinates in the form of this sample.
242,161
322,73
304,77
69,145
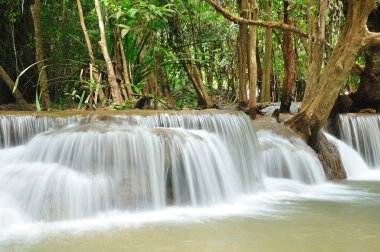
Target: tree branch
16,93
372,38
239,20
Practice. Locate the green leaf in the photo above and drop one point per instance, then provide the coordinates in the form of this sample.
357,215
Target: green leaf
124,32
132,12
81,101
38,105
124,26
26,69
119,14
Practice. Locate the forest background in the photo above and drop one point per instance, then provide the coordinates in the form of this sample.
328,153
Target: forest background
171,54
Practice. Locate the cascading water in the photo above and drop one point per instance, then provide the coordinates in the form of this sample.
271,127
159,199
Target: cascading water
362,132
18,129
289,158
70,178
356,168
127,162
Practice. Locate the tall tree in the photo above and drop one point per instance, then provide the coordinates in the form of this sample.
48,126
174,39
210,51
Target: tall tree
85,33
112,82
242,53
289,62
267,63
43,78
252,59
320,97
368,93
211,68
125,68
162,80
90,51
118,63
316,45
184,54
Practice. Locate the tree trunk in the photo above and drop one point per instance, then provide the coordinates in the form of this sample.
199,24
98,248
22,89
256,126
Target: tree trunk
211,69
252,63
194,75
316,29
118,62
259,68
163,82
43,79
125,69
267,63
368,93
114,86
85,33
191,69
266,24
143,40
242,53
155,84
289,62
354,37
90,51
24,105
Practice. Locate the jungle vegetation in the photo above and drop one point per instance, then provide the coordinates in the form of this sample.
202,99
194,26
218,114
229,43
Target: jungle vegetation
172,54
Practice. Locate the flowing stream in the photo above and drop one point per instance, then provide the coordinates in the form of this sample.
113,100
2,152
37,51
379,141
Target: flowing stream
178,181
362,132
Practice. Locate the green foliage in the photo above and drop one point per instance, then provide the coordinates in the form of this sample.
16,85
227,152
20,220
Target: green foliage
38,105
139,63
81,100
128,105
145,28
140,15
10,11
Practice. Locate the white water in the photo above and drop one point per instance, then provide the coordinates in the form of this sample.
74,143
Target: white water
81,170
362,132
127,171
355,166
265,204
15,130
290,158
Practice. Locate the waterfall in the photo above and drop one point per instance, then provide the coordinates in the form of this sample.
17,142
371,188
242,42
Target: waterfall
18,129
362,132
355,166
79,166
290,157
